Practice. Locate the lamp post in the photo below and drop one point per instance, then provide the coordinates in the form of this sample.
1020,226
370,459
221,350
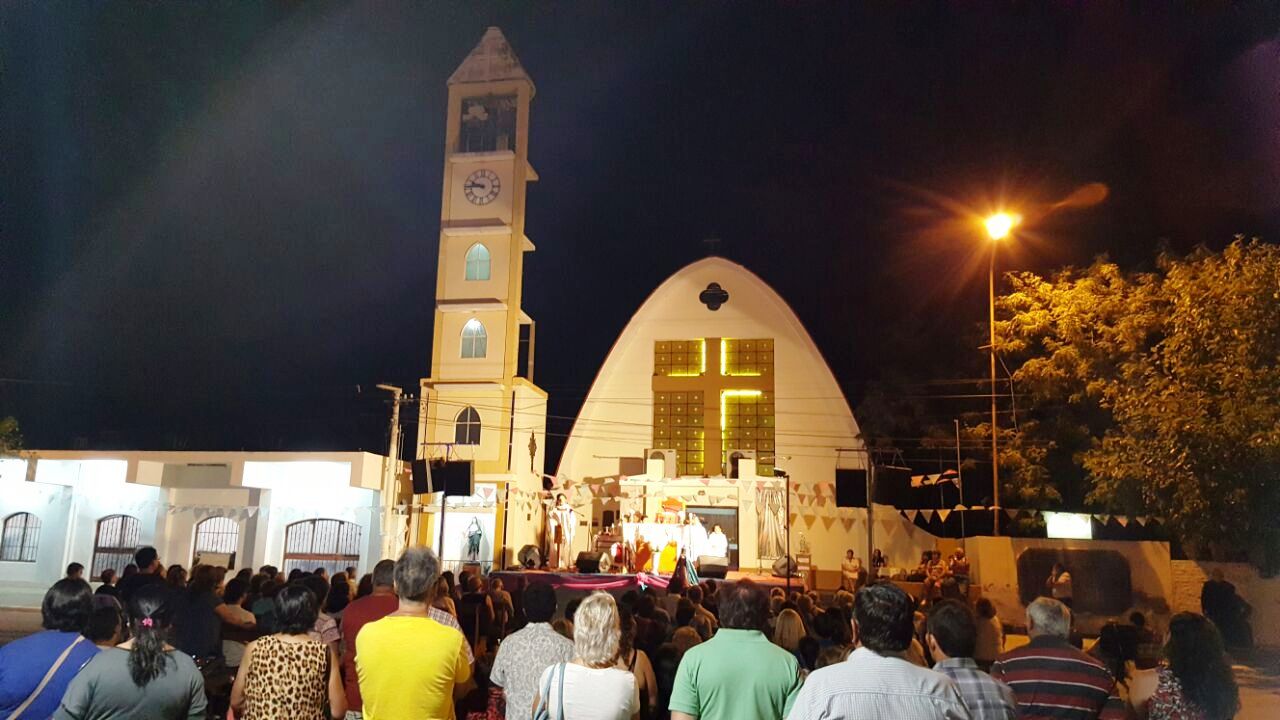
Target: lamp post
999,226
786,483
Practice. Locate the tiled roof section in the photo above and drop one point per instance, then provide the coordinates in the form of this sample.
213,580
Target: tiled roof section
491,59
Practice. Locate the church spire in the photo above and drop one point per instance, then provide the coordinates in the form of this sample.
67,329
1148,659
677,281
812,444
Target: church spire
491,59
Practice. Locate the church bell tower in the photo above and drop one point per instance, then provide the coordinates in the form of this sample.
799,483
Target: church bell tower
480,403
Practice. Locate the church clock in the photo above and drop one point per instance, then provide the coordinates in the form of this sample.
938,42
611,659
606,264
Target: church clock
482,187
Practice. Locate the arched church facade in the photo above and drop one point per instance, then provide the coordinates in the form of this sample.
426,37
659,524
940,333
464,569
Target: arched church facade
713,386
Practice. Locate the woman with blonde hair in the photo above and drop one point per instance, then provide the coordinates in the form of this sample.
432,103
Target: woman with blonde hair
591,685
788,632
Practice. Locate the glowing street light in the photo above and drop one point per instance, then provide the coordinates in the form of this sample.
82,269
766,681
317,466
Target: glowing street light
1000,225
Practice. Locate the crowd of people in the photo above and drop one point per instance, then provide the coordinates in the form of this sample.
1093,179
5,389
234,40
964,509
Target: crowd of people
408,641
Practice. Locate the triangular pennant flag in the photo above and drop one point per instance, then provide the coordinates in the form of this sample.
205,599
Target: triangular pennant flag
928,515
912,515
1143,520
917,481
827,522
847,523
810,519
1104,519
1123,520
1013,514
886,525
942,515
793,518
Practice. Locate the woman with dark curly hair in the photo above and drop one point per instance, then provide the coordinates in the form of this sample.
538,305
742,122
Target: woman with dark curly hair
1194,682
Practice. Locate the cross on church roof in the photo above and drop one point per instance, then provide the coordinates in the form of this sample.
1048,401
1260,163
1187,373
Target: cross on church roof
491,59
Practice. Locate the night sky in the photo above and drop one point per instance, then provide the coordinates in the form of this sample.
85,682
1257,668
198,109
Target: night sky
219,221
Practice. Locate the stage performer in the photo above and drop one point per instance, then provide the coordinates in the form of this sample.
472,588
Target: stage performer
698,538
563,523
717,543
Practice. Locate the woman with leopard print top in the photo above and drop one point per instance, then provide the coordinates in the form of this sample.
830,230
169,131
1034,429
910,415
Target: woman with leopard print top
289,675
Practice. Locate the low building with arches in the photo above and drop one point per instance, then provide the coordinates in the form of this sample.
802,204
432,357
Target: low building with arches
234,509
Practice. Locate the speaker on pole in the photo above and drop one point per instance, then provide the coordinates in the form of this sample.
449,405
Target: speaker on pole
590,561
851,487
421,477
713,566
785,567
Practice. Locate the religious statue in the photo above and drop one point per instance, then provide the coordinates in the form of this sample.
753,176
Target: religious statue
563,520
474,535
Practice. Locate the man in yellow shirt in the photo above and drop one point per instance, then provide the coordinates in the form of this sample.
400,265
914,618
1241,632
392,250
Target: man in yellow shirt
409,665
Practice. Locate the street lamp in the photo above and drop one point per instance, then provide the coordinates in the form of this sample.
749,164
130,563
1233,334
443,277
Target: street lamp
999,227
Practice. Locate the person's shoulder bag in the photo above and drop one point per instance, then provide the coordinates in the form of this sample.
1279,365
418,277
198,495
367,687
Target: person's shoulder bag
53,670
544,709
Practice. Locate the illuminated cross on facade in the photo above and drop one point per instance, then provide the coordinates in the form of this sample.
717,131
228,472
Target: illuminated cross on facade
713,396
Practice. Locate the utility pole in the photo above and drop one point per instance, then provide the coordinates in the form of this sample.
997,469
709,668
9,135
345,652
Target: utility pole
390,491
995,426
964,539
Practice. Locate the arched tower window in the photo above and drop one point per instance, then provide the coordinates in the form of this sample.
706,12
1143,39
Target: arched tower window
466,427
114,543
478,262
475,341
21,538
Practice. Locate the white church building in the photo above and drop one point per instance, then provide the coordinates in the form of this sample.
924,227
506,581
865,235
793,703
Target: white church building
234,509
712,393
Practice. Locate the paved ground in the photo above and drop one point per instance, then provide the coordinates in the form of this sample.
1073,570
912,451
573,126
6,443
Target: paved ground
1258,671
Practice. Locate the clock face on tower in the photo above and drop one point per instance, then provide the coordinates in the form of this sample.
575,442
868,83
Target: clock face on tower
481,187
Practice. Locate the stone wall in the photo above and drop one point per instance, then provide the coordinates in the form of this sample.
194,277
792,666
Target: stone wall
1262,593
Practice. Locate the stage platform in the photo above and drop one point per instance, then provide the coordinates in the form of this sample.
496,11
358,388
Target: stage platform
617,583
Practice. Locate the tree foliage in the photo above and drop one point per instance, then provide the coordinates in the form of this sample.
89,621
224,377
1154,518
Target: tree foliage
1170,378
10,439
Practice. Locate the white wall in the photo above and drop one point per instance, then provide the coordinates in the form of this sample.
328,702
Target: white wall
994,561
1262,593
25,583
178,545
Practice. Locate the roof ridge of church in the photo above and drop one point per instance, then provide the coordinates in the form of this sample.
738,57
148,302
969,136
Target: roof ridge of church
491,59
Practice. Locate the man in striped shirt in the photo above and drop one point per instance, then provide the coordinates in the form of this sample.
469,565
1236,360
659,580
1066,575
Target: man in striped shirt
1051,678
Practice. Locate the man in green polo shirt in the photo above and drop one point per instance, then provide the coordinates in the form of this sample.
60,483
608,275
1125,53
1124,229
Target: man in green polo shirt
737,674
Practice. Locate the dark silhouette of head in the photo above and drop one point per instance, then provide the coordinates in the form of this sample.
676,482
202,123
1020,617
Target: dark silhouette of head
884,614
67,606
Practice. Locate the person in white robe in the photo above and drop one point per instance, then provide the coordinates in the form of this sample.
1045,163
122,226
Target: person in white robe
563,523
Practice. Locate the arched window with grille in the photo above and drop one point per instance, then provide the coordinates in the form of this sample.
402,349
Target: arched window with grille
466,427
21,538
114,544
217,536
478,262
324,542
475,341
